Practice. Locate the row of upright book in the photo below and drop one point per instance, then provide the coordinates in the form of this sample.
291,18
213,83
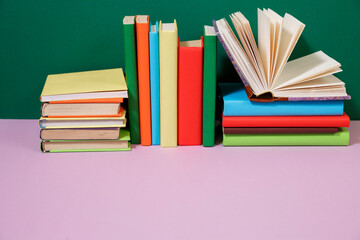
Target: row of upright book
279,102
84,111
172,84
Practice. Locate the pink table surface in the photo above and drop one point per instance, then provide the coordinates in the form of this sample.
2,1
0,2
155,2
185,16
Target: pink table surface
179,193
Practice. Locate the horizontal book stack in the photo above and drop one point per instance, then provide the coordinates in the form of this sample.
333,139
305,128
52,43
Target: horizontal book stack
247,123
84,111
279,102
172,84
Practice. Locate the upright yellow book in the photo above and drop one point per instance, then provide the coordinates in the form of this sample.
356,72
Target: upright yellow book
108,83
168,54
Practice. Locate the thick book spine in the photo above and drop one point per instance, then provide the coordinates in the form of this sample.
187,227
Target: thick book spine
168,52
269,130
190,95
236,103
287,121
209,90
304,108
132,84
142,38
340,138
155,86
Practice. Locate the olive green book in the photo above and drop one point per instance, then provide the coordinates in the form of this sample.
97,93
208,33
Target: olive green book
121,144
131,78
340,138
209,86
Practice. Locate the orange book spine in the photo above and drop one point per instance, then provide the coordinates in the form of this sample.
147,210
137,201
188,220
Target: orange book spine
98,100
88,116
142,38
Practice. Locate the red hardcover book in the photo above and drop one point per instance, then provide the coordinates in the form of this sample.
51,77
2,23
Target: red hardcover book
190,79
287,121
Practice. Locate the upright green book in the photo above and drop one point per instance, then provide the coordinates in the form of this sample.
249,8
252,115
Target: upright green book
209,86
340,138
131,78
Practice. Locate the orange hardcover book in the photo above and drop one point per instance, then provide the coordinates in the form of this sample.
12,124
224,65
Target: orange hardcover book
142,38
98,100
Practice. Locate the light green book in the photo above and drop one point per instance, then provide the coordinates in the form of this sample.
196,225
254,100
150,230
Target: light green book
121,144
340,138
209,86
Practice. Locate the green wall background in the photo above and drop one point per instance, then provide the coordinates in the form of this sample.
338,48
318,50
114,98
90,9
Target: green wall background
42,37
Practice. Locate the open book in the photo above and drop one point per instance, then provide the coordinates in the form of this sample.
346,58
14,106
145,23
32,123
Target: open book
264,69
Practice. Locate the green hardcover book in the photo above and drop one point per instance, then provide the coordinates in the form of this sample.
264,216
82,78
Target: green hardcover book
209,86
131,78
121,144
340,138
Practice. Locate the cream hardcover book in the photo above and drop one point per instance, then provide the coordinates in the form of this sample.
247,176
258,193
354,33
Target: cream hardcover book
168,54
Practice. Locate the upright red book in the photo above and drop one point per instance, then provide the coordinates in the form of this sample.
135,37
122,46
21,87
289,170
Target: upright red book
190,84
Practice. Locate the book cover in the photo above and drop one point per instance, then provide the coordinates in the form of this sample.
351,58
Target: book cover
168,52
190,92
154,83
340,138
123,140
131,77
269,130
236,103
142,40
209,87
82,85
286,121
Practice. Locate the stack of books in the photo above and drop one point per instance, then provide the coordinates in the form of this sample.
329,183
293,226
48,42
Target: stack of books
172,84
299,102
84,111
248,123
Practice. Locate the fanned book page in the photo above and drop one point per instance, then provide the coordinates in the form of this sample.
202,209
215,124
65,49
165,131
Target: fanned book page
265,70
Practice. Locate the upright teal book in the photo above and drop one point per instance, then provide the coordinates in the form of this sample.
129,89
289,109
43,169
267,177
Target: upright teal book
154,83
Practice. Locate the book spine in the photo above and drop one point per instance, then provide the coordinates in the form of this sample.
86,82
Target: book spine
142,38
168,52
209,91
155,86
229,54
131,80
287,121
340,138
278,108
190,95
277,130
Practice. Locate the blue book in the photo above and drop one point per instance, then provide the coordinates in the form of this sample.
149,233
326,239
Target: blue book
236,103
154,83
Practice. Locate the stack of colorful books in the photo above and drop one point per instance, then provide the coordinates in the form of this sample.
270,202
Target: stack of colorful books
84,111
248,123
172,84
280,102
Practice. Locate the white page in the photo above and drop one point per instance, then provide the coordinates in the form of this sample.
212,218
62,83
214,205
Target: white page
330,80
264,42
290,33
306,68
